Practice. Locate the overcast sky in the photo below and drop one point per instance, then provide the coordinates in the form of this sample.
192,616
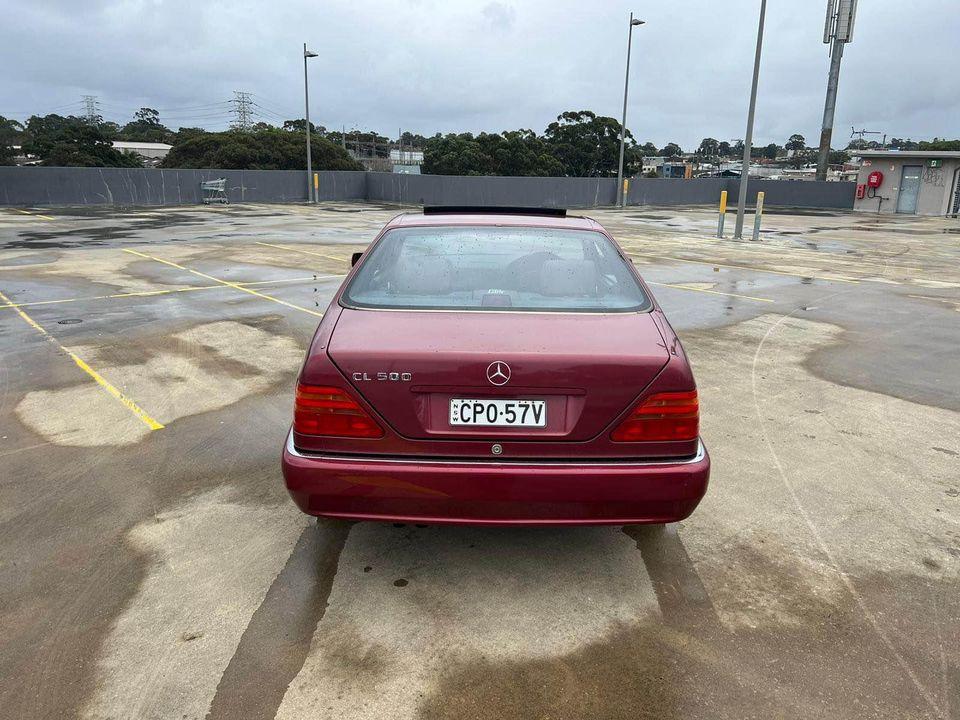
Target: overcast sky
434,65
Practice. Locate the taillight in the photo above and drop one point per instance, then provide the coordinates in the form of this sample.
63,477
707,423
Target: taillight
320,410
662,416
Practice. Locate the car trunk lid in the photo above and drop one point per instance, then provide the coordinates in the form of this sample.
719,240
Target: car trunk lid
587,368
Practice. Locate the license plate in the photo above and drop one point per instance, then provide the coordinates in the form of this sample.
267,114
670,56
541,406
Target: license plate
498,413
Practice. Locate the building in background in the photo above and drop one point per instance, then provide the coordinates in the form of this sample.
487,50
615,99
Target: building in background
909,182
652,165
406,162
675,170
151,152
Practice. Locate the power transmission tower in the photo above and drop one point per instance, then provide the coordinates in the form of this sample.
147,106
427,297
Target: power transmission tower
837,32
91,112
242,111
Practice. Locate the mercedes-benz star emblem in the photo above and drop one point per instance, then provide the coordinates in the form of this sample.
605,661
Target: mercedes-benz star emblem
498,373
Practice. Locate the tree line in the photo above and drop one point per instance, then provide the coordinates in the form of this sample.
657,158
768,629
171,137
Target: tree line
579,143
69,141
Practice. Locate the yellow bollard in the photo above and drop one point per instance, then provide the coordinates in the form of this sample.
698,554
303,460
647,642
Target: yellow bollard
723,213
757,214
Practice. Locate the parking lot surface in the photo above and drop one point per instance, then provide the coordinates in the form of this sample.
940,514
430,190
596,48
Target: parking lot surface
152,565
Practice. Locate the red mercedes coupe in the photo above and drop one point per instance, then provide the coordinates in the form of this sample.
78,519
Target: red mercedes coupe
495,366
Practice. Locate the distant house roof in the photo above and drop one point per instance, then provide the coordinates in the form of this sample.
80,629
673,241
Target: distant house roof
130,145
906,153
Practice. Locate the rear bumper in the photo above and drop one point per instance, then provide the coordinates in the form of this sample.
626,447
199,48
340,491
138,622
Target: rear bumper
495,493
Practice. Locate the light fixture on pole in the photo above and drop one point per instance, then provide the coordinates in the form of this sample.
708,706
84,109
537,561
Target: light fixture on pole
621,198
748,140
311,196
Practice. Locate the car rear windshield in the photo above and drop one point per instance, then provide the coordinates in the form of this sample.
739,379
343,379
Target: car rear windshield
495,268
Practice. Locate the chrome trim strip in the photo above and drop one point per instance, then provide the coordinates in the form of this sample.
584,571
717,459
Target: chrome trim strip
701,453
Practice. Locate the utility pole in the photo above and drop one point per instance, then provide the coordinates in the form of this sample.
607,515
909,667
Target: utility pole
242,109
748,139
311,194
90,110
621,198
837,32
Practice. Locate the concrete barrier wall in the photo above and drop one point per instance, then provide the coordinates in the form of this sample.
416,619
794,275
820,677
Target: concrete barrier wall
30,186
668,191
796,193
142,186
483,190
591,192
339,185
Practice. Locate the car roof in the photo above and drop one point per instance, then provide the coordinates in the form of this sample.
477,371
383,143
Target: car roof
569,222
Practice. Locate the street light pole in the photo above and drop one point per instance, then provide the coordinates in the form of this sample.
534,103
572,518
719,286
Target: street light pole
311,197
748,140
621,199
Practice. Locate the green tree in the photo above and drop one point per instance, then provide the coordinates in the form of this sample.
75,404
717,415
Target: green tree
72,141
11,133
300,124
185,133
900,144
648,149
266,149
145,127
588,145
671,150
796,142
941,144
771,151
838,157
723,149
412,140
453,154
709,148
523,152
515,152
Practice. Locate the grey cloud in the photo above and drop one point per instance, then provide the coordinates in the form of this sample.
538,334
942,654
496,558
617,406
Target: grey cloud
429,65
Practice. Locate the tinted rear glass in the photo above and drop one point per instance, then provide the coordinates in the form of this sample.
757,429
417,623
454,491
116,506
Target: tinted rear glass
495,268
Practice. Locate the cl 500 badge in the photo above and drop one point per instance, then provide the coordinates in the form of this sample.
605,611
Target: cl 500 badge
383,376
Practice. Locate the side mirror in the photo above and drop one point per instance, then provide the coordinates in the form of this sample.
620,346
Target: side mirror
355,258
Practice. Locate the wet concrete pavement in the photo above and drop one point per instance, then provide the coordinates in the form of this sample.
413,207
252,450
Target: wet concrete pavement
157,573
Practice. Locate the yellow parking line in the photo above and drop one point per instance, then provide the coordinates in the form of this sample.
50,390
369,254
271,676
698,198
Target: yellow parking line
234,285
31,214
97,377
745,267
151,293
301,250
712,292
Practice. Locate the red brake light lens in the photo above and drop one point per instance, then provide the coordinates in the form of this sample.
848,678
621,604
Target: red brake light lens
320,410
662,416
